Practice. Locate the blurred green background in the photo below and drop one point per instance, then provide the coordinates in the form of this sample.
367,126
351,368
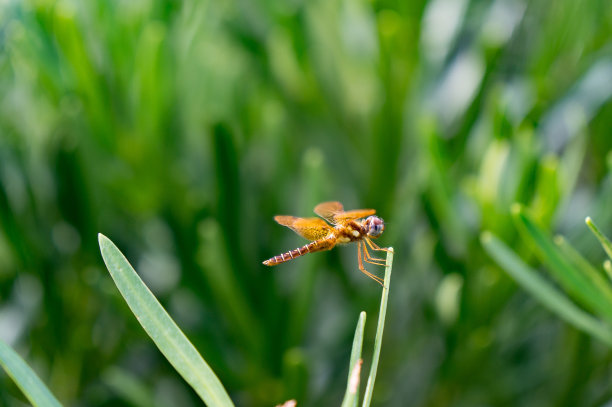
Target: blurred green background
180,128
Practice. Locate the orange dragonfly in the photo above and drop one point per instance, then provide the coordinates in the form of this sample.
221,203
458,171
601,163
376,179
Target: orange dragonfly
343,227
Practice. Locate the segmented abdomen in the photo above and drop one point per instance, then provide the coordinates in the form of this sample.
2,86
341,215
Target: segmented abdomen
316,246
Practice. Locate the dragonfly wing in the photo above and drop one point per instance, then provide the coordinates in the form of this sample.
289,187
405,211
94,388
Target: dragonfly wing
334,213
310,228
354,214
329,210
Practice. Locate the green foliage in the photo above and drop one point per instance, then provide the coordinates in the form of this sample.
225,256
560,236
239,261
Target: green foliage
168,337
544,291
605,242
29,383
571,271
181,128
367,397
351,396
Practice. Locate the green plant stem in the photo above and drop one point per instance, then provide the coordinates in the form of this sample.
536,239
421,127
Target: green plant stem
367,397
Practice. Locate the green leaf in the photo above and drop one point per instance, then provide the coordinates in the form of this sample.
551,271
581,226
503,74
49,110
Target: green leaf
576,283
543,291
351,397
168,337
367,397
32,387
605,242
582,264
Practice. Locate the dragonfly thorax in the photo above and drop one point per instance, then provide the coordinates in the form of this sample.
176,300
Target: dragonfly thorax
374,226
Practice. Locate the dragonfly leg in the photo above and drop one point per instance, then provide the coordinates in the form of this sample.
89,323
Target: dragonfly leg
364,271
374,246
370,259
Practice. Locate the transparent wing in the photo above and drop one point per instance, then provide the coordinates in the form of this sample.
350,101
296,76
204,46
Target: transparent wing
310,228
354,214
329,210
334,213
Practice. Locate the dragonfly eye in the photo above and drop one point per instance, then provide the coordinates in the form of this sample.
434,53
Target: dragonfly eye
375,226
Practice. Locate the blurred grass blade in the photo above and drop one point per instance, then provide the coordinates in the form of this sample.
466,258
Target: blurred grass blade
351,397
129,387
546,194
162,329
582,264
296,373
605,242
543,290
313,181
25,378
225,287
441,190
575,282
608,268
367,397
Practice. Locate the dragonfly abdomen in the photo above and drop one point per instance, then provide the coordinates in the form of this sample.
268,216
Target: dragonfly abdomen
316,246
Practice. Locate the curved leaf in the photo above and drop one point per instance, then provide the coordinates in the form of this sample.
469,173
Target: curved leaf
168,337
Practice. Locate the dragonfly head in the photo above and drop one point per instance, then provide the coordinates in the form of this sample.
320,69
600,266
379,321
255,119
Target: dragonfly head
374,226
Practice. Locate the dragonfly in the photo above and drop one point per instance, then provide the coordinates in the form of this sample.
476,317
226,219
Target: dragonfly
335,226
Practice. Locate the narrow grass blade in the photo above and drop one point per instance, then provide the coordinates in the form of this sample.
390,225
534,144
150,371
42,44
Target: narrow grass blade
578,285
30,384
582,264
367,397
168,337
351,397
544,291
605,242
